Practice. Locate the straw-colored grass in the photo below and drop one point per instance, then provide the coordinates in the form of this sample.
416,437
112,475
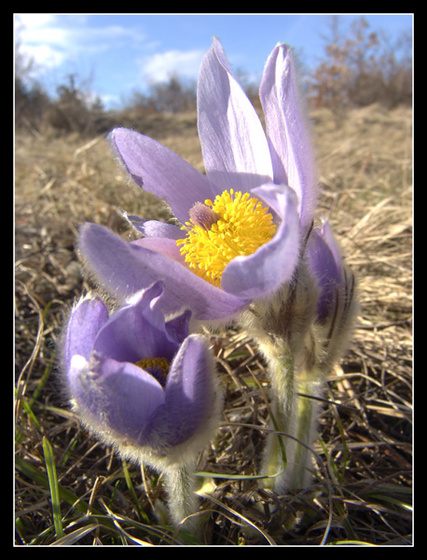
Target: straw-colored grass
70,489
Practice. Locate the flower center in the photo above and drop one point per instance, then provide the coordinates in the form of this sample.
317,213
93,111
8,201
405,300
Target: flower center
157,367
232,225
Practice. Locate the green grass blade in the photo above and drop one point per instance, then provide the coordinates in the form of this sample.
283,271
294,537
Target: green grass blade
205,474
39,478
131,489
53,487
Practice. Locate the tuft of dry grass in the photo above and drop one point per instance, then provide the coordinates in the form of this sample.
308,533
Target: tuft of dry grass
362,491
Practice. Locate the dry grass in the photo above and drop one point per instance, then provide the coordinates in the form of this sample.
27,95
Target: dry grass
363,487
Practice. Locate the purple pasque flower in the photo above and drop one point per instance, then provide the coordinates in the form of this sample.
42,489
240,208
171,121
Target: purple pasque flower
241,224
139,382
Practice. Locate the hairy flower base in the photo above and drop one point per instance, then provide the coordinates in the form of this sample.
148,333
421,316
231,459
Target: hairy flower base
232,225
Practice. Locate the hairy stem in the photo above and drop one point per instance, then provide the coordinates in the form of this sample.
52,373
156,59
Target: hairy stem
182,500
294,419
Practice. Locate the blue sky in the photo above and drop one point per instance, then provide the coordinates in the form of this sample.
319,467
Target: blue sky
120,53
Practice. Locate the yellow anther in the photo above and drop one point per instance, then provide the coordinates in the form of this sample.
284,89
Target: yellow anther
236,225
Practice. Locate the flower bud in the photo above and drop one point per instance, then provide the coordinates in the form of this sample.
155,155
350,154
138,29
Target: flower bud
337,304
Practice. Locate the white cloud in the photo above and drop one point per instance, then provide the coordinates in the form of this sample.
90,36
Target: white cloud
43,40
51,40
159,67
34,21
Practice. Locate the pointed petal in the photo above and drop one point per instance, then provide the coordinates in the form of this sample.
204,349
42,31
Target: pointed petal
136,330
234,146
177,329
161,171
286,126
153,228
326,264
324,255
125,268
115,399
167,247
86,319
189,396
273,264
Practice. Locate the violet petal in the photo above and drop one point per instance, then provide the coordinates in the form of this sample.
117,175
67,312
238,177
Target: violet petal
163,245
286,126
326,264
86,319
153,228
116,398
234,147
136,330
189,396
161,171
125,268
260,274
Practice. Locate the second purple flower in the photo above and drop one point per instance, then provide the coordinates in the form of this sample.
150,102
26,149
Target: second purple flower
141,383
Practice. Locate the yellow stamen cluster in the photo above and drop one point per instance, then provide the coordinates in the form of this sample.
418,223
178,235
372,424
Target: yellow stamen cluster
242,225
158,367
